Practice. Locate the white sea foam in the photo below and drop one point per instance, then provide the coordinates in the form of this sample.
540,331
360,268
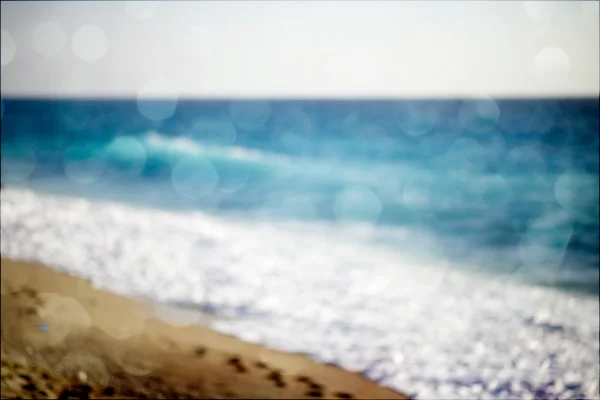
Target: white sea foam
185,146
432,331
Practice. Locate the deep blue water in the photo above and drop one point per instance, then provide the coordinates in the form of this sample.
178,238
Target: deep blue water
516,177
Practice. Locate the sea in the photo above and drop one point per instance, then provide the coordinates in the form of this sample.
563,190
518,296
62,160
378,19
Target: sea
444,248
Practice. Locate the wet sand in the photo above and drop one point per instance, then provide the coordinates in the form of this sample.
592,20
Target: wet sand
63,338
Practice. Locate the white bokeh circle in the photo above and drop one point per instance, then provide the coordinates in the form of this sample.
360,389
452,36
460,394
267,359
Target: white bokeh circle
250,115
130,326
293,141
20,169
590,9
576,193
525,169
232,177
544,244
75,362
8,48
132,360
498,191
215,130
465,156
417,194
416,119
157,100
142,10
231,184
369,131
58,316
128,156
83,166
63,312
194,177
357,204
541,10
89,43
295,120
176,316
552,64
48,39
479,115
521,160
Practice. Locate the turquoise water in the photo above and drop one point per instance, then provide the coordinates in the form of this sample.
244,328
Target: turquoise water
515,177
400,238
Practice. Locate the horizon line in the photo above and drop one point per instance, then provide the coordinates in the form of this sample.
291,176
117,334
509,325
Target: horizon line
582,96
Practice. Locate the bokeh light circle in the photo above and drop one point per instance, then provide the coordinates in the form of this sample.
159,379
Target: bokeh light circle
577,193
356,204
57,306
214,130
48,39
132,360
590,10
293,142
58,316
20,167
176,316
232,177
142,10
83,165
479,115
130,326
194,177
157,100
417,194
126,156
540,10
416,119
543,245
75,362
89,43
465,156
293,120
523,160
498,191
8,48
553,65
250,115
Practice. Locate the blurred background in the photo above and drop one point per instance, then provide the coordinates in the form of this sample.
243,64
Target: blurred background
415,181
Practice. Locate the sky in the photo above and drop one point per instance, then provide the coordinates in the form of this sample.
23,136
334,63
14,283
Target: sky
300,49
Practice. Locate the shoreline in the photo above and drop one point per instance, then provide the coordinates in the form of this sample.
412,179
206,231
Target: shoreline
408,336
582,288
61,336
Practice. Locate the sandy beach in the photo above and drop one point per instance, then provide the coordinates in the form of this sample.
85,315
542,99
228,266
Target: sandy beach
63,338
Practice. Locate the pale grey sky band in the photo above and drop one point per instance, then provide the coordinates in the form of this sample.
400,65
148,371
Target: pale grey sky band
287,49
